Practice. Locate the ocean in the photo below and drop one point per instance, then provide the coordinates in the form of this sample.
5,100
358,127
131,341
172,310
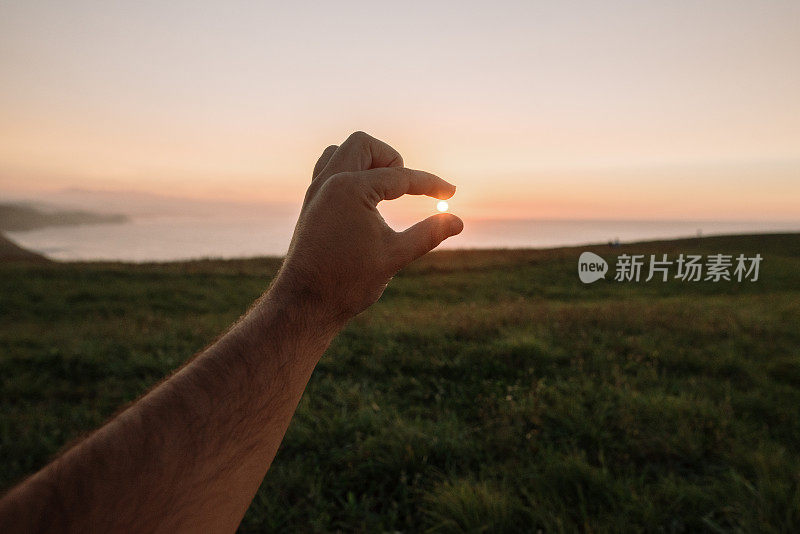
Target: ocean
147,239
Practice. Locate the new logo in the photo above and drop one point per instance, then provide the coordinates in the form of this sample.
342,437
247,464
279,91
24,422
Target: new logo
591,267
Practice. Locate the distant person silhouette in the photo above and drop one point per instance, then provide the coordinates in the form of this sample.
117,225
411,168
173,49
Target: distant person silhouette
190,454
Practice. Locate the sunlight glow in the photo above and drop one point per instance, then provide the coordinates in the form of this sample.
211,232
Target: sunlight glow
442,206
536,110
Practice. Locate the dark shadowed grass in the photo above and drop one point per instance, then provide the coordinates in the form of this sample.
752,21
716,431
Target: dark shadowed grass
485,392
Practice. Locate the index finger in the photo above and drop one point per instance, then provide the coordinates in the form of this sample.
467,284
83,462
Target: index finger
394,182
360,152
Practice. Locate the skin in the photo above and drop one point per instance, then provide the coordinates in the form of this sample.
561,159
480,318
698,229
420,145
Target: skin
190,454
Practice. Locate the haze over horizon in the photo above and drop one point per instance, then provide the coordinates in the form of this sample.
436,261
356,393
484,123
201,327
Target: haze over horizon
574,110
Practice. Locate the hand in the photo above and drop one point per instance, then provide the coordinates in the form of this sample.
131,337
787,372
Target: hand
343,253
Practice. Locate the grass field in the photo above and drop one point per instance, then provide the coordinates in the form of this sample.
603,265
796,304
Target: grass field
486,391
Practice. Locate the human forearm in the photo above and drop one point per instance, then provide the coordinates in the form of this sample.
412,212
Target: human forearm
189,456
193,451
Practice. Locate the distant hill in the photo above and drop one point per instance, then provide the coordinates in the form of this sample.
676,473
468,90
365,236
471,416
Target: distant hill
18,217
10,251
139,205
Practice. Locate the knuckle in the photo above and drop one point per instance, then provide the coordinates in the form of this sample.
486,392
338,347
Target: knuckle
398,159
344,182
358,137
339,181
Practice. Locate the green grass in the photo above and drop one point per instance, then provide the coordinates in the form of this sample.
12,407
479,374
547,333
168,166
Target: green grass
485,392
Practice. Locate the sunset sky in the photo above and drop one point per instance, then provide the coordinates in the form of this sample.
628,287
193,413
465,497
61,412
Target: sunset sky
555,110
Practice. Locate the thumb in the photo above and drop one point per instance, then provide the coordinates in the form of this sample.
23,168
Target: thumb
426,235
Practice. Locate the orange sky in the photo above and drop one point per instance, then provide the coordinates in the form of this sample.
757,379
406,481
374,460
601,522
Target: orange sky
571,110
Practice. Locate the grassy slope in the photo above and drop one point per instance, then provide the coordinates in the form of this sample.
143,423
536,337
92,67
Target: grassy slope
485,388
10,251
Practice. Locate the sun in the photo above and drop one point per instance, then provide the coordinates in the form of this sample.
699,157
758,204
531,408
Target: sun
442,206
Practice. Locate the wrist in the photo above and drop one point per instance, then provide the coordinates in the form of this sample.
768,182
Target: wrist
292,307
280,334
301,297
